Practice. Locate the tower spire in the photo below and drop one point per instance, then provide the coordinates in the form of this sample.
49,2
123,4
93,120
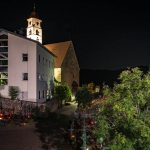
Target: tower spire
34,13
34,7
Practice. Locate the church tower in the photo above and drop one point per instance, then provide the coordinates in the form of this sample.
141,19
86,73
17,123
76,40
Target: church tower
34,30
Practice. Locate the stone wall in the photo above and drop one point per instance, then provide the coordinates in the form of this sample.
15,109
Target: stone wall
70,68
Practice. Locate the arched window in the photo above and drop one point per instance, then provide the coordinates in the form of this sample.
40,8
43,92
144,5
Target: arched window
30,32
37,32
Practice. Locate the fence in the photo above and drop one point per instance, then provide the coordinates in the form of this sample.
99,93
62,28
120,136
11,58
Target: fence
8,106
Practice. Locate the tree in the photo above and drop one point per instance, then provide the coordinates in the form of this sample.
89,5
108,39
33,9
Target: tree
62,92
13,92
123,120
83,97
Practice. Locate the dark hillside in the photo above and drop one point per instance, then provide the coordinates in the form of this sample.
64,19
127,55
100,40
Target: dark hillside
102,76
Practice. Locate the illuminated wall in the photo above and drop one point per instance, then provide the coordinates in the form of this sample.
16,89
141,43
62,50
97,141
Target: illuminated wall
38,67
57,74
34,30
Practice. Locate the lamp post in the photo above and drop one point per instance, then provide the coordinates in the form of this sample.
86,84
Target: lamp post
84,137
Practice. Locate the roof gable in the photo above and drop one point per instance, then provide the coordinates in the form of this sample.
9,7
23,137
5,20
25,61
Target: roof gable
71,57
60,50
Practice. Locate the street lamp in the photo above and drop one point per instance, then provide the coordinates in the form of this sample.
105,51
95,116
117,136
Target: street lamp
84,138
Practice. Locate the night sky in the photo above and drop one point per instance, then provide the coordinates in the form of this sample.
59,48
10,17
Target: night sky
105,35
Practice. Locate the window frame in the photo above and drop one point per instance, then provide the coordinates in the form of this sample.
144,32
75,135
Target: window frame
39,58
25,76
39,95
43,94
25,58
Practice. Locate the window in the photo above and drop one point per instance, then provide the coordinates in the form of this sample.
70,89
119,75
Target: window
39,58
24,57
42,77
37,23
3,75
3,69
4,49
43,93
3,78
3,55
37,32
25,76
3,43
39,76
3,36
43,60
3,62
3,81
30,32
3,59
39,95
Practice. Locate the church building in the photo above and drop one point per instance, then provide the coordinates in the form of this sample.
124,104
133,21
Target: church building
66,64
32,67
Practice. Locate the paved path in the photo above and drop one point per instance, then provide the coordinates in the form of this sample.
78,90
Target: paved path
26,138
19,138
69,110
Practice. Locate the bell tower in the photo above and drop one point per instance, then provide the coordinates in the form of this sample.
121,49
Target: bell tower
34,30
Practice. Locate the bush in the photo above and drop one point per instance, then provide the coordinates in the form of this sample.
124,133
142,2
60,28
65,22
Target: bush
95,95
62,92
83,97
13,92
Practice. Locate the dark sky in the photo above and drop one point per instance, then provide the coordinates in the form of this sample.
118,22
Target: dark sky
108,35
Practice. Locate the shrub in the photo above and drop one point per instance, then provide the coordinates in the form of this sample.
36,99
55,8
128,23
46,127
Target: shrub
13,92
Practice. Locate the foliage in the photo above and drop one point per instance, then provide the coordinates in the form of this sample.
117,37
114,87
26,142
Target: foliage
62,92
91,87
123,120
83,97
95,95
13,92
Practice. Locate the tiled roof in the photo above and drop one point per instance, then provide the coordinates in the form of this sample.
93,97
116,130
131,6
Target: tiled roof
60,50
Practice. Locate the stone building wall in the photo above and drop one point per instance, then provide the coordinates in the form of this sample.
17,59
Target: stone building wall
70,68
